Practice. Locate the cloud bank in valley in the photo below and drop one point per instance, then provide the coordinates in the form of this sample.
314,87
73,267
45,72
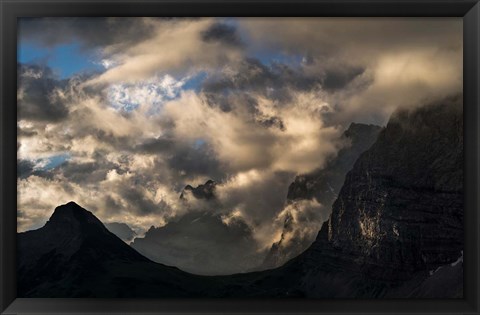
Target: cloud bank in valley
248,102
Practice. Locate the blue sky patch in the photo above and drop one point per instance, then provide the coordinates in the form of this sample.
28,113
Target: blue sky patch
52,161
195,82
65,59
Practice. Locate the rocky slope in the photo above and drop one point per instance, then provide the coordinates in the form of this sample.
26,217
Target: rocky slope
323,186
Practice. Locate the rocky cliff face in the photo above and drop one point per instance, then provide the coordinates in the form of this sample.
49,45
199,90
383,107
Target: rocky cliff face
400,209
396,228
322,186
399,214
205,191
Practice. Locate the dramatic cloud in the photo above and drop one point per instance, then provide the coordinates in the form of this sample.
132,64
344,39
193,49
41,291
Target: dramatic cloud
176,47
394,62
40,95
90,32
248,102
223,33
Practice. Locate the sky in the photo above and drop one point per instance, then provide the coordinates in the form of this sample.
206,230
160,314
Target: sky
120,114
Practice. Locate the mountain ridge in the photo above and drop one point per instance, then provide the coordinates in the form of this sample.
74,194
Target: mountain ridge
395,231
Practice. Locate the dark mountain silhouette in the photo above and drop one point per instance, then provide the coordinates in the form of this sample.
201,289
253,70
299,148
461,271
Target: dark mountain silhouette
74,255
323,185
395,231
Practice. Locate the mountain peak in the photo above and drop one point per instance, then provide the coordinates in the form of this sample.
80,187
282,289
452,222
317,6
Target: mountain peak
360,130
69,208
210,182
72,214
204,191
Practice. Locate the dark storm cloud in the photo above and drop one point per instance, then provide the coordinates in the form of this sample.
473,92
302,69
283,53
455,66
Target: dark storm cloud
111,203
336,79
26,132
134,196
155,145
90,172
36,96
252,74
272,122
190,162
271,80
120,142
224,33
92,32
225,99
26,168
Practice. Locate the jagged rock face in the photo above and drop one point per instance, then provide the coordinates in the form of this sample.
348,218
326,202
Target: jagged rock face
400,210
322,185
205,191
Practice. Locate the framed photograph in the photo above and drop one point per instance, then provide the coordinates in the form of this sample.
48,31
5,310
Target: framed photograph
228,157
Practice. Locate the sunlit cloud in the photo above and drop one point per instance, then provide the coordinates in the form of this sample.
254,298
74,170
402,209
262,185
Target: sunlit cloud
248,102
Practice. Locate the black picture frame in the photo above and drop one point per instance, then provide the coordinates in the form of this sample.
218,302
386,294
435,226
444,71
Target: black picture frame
13,9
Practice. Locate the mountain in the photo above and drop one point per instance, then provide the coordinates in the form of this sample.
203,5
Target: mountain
398,218
122,230
401,207
323,186
201,241
395,231
74,255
